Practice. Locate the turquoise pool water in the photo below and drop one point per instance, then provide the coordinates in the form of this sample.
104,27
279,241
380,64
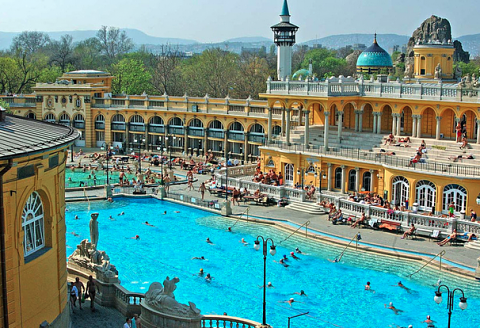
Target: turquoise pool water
336,295
73,178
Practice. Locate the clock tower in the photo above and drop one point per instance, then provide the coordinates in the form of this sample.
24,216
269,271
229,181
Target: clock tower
284,38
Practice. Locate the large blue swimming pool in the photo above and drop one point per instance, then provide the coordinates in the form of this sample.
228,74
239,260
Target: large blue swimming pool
336,295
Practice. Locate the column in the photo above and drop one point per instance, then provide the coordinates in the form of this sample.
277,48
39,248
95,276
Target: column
307,127
394,124
478,131
205,140
269,134
343,178
357,179
225,143
340,126
360,120
283,122
356,120
379,123
287,132
374,123
437,131
414,126
185,139
325,131
419,126
371,179
245,147
399,125
329,177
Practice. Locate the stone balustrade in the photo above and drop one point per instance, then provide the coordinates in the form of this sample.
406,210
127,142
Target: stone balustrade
221,321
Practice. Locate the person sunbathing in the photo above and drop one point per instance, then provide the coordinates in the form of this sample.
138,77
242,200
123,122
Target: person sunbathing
450,237
362,219
464,143
406,140
390,139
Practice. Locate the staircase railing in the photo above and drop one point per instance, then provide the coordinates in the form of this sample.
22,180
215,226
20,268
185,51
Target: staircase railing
431,260
356,238
306,231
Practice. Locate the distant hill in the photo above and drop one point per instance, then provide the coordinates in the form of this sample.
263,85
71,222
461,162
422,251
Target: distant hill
250,39
471,43
386,41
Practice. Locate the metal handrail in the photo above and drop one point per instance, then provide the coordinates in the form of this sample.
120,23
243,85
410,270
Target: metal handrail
431,260
341,254
306,231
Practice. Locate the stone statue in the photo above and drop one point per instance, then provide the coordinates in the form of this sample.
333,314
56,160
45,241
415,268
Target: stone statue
408,71
438,72
458,72
94,229
162,299
88,257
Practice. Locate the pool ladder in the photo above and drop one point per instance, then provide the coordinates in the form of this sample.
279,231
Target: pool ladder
351,240
306,231
245,212
442,253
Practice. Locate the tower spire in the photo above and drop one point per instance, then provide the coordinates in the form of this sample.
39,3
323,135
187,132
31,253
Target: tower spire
285,11
375,38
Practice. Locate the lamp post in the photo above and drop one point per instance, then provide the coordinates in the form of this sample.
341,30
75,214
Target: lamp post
322,176
438,300
107,149
226,178
140,143
301,172
273,251
298,315
170,149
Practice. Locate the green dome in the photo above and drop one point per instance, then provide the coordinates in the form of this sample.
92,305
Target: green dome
301,72
374,56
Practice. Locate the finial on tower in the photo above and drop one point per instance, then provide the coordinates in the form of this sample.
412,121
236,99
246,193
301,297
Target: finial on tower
375,38
285,11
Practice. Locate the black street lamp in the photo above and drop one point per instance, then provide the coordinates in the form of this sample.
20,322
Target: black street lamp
273,251
438,300
107,149
140,143
172,139
162,149
322,176
226,177
301,172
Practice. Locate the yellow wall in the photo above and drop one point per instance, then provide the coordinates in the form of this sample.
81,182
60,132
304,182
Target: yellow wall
37,290
427,57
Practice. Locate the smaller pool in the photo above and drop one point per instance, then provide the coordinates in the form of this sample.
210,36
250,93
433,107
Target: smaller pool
91,178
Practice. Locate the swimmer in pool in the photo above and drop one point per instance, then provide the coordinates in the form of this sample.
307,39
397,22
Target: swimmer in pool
137,237
123,213
111,218
297,250
336,260
269,285
229,229
176,212
292,254
285,258
290,301
209,277
164,212
148,224
429,322
76,217
200,273
403,287
393,308
282,262
302,293
244,242
199,258
367,287
209,241
74,233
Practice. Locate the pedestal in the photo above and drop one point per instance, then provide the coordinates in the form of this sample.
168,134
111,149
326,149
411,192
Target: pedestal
226,208
161,192
108,191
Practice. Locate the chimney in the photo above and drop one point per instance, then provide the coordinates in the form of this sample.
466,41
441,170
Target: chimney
3,113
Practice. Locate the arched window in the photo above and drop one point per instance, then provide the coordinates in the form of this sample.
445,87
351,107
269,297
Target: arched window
400,190
289,174
137,119
195,123
175,121
78,118
276,130
156,120
30,115
352,177
118,118
310,169
64,119
236,126
455,194
79,121
50,118
367,178
257,128
32,224
425,193
100,118
215,125
338,178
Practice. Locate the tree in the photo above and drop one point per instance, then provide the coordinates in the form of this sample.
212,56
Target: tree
10,75
131,77
113,42
30,42
61,52
87,54
213,73
166,71
325,63
252,75
6,106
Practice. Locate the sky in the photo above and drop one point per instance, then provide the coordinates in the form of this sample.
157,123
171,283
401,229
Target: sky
219,20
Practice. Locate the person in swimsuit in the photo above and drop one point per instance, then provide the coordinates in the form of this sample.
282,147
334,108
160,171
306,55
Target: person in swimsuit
199,258
269,285
209,277
282,262
209,241
290,301
367,287
148,224
393,308
80,289
297,250
244,242
92,288
292,254
302,293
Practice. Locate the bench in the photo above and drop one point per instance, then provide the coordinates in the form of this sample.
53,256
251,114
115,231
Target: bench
390,225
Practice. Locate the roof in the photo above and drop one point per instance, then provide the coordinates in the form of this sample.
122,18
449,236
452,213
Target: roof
285,25
20,136
285,11
86,71
375,56
301,72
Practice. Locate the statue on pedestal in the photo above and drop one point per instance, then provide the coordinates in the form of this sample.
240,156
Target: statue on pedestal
438,72
94,229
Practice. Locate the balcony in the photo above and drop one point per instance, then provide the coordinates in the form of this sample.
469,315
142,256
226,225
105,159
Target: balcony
257,138
176,130
234,135
100,125
136,127
156,128
118,126
196,132
79,125
219,134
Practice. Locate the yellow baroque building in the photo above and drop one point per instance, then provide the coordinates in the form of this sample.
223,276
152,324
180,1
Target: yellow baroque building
33,254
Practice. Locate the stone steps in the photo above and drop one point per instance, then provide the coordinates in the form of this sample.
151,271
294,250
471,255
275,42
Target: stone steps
306,207
473,245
